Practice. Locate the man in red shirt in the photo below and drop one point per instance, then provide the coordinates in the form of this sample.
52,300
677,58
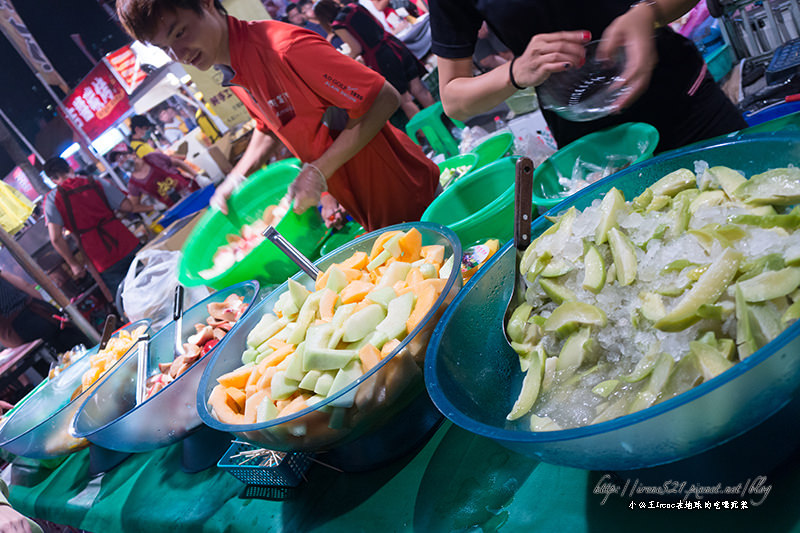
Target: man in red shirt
329,110
154,175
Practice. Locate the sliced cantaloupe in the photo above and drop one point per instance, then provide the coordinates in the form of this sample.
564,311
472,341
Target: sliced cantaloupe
438,285
377,246
275,358
426,296
218,402
295,405
236,378
356,261
410,244
276,344
236,399
433,253
327,302
322,278
265,381
414,276
369,355
355,291
389,347
251,406
362,304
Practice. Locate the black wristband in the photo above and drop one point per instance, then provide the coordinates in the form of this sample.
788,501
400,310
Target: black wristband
511,76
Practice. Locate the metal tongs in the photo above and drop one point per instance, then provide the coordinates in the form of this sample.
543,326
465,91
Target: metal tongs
143,358
293,253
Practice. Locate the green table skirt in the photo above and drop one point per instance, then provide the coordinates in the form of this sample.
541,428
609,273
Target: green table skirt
456,482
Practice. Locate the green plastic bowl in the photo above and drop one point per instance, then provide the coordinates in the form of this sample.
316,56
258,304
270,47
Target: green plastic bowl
493,148
633,139
462,160
340,237
265,263
478,206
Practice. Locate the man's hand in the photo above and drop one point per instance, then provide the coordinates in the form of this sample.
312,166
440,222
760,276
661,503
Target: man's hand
225,190
12,521
78,271
307,188
332,213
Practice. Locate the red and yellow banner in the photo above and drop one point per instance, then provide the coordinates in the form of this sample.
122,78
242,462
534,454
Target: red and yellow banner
125,64
97,102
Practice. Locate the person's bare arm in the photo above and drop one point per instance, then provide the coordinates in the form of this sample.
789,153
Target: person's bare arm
352,42
261,147
634,31
56,234
310,182
360,131
21,284
182,165
133,204
464,96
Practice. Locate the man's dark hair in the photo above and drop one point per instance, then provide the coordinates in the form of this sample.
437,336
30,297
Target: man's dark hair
139,18
292,6
301,4
114,155
55,167
140,121
326,11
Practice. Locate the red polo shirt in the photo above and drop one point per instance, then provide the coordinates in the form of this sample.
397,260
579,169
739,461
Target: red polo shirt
303,90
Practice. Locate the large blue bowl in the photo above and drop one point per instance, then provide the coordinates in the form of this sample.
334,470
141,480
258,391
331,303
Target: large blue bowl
110,418
38,427
391,412
473,376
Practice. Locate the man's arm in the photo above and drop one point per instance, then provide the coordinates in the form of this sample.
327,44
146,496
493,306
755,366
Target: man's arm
133,204
56,233
260,148
21,284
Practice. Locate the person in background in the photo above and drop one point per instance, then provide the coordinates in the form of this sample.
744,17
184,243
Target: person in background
379,49
667,82
294,15
25,317
154,176
85,207
329,110
306,7
172,125
141,133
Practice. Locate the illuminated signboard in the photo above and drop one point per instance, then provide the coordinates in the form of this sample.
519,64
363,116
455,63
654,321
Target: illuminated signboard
97,102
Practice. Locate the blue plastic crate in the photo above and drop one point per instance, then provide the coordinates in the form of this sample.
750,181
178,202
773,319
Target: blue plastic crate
191,204
785,62
287,473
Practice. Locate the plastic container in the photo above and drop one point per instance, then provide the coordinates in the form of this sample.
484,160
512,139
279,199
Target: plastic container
476,387
39,427
391,412
191,204
720,61
287,473
265,263
772,112
587,92
109,417
493,148
480,205
454,163
628,143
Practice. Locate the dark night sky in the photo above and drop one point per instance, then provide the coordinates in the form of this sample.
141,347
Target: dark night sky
51,22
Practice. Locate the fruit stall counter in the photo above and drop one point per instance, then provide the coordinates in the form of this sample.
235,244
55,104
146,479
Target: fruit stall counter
457,482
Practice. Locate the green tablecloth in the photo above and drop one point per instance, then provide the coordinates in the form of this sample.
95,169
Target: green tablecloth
458,481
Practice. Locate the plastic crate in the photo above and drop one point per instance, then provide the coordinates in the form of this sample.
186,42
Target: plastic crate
719,61
287,473
785,62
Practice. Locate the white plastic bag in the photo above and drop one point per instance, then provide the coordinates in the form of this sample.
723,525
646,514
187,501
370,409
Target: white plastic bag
150,293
